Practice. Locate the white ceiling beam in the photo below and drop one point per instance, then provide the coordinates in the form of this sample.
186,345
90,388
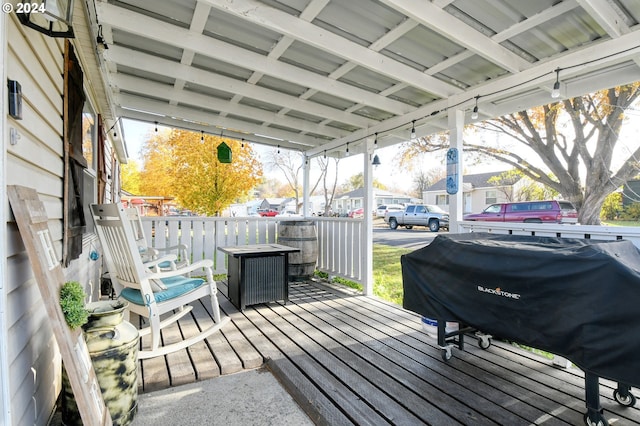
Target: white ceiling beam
286,24
139,24
604,14
197,116
196,127
448,26
150,89
161,66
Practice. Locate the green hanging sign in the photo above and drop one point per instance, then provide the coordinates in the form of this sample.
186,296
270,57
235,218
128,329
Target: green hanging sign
224,153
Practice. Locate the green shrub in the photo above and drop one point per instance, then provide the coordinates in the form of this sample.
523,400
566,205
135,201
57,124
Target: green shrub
631,212
612,206
72,297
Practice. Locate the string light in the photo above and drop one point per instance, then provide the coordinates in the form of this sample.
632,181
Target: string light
555,93
413,130
474,114
115,134
347,153
156,126
201,135
242,144
375,141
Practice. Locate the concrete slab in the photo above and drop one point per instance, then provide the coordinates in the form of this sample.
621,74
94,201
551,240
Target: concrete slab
254,397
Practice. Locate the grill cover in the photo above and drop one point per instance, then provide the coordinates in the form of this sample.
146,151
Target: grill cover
572,297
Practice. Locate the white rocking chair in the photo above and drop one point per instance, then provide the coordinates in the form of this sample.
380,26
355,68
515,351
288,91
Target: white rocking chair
153,294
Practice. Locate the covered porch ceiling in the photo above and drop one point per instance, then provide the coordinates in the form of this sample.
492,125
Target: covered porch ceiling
314,75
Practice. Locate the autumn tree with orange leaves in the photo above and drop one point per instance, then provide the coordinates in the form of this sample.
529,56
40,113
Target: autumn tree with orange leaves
576,140
184,165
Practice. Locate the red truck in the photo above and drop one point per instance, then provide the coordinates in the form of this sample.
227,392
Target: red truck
550,211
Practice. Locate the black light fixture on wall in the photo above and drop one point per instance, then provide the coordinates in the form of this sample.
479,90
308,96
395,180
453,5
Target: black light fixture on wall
45,14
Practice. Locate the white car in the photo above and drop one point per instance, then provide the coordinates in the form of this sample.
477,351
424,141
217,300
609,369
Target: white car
288,213
381,210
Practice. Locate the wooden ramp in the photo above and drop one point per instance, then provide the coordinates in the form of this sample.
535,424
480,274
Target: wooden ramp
351,359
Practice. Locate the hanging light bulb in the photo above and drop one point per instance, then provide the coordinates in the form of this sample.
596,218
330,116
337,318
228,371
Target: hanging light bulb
474,114
278,149
325,153
242,143
347,152
201,135
375,141
156,126
555,93
413,130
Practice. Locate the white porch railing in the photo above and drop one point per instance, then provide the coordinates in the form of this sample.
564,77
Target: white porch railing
552,230
339,239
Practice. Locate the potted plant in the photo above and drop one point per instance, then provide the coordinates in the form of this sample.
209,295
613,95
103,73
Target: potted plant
72,298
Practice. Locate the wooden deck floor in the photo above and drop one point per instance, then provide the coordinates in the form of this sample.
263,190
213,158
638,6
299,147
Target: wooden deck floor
350,359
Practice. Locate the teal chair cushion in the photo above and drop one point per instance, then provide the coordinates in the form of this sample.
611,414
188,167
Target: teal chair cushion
176,286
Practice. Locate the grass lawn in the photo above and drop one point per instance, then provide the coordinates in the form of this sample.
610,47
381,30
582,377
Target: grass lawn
387,275
620,223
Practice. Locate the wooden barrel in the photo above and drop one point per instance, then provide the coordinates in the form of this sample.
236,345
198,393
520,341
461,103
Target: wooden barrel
300,234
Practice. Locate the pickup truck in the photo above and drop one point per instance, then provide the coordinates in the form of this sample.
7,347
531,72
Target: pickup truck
433,217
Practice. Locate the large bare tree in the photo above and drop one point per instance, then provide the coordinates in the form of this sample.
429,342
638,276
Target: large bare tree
290,164
576,140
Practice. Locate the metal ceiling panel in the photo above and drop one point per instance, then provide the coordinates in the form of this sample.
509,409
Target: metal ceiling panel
317,74
234,31
422,48
221,67
368,80
177,13
142,44
312,59
362,22
125,70
280,85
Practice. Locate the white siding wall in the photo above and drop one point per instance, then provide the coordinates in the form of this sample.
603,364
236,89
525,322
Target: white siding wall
36,62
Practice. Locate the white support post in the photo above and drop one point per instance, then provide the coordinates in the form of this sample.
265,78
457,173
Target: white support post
367,234
306,167
456,126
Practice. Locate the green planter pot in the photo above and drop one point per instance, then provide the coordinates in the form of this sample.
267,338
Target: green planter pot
113,348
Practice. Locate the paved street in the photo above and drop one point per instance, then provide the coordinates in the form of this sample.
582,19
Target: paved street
409,238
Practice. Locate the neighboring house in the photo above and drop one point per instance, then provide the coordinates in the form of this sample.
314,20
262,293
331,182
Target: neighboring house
478,193
278,203
631,193
147,205
62,144
246,209
348,201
